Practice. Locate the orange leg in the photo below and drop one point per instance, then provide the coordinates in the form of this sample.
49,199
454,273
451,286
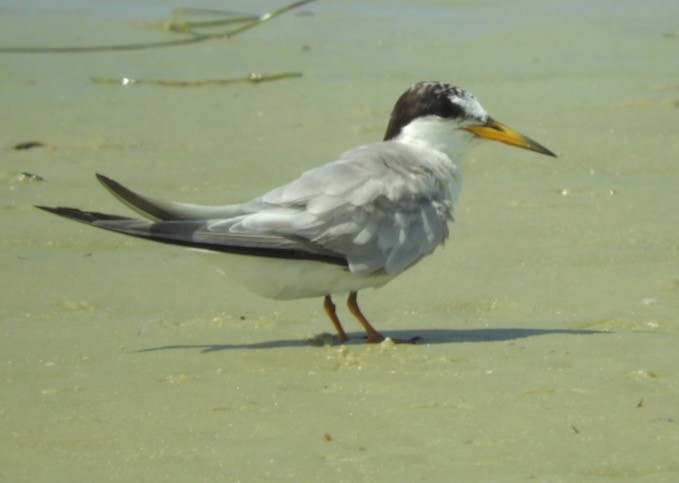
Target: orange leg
373,336
330,310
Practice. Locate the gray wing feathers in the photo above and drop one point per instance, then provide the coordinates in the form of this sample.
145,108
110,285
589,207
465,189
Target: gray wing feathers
379,208
196,234
382,213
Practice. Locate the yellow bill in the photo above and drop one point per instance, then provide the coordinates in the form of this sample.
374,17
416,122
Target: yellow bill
496,131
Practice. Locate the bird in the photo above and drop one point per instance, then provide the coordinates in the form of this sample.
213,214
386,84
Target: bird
353,223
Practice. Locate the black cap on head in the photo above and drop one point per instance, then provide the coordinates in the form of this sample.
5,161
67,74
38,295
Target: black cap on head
426,98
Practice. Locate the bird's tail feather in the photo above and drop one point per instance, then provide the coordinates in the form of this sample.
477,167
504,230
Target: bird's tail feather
157,209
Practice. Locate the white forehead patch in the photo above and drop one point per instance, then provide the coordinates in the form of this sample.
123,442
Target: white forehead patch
468,103
466,100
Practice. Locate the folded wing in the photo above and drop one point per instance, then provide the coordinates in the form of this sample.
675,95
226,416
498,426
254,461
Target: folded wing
377,210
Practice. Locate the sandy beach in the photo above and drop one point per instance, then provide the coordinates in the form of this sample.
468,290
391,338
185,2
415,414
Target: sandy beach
549,321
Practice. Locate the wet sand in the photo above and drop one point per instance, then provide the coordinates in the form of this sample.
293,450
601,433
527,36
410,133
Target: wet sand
549,320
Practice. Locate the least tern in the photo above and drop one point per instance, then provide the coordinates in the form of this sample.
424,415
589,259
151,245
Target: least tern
353,223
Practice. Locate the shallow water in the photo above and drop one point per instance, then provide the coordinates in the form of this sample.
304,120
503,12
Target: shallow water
549,320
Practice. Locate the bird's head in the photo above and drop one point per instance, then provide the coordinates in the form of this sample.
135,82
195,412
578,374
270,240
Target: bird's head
449,118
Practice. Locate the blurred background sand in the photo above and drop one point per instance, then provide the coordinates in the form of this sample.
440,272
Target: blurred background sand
550,318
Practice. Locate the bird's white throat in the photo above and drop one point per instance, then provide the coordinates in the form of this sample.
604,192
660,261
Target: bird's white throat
439,134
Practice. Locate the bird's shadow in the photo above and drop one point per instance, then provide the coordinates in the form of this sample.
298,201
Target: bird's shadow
429,336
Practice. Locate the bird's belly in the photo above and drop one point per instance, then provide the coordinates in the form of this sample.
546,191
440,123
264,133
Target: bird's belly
285,279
